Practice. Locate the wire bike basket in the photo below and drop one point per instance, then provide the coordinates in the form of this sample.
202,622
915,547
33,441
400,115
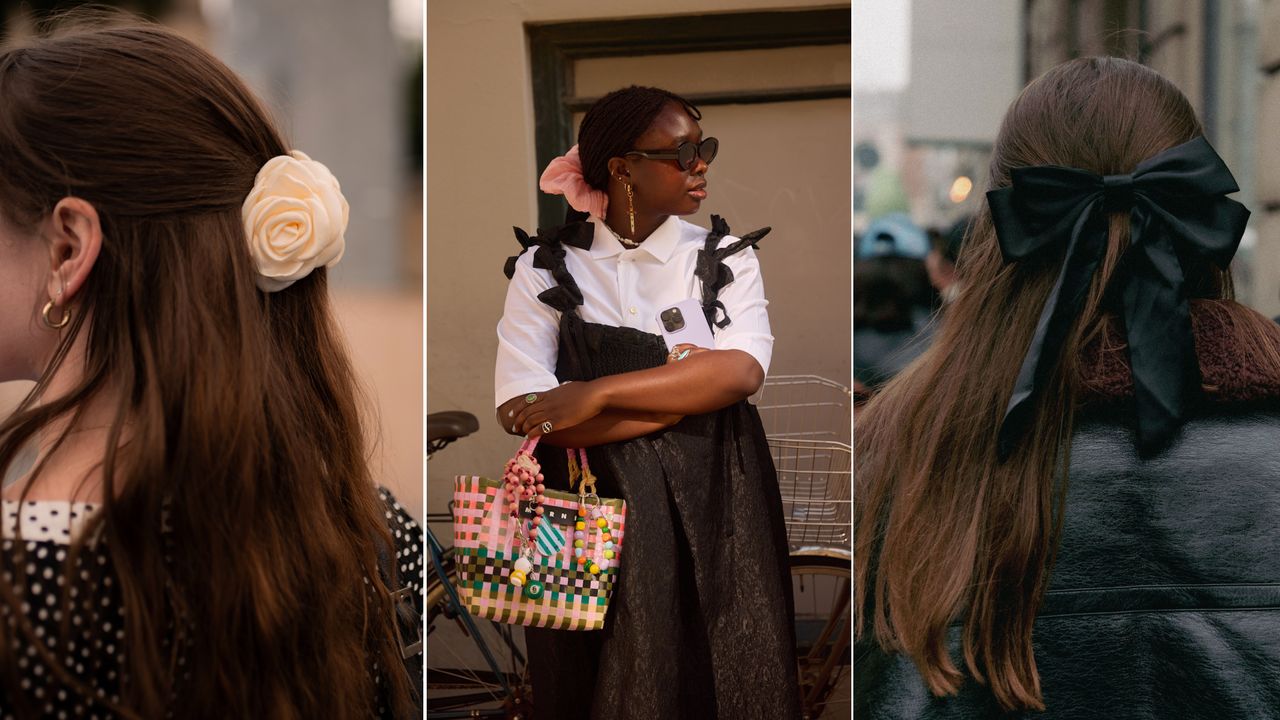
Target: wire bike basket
806,420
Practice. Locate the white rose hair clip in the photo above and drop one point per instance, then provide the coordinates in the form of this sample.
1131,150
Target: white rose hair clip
294,218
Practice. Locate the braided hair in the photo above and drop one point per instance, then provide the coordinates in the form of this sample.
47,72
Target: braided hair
612,125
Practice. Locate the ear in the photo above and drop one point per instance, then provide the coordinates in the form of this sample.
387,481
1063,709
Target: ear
619,169
74,235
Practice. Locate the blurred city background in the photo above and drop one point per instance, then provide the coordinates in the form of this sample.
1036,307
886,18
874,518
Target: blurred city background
344,80
932,80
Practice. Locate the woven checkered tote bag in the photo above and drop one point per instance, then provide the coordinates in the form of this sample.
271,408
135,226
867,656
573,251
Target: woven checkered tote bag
531,556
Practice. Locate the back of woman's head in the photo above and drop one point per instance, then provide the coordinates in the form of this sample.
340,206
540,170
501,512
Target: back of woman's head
239,407
1101,114
946,530
613,123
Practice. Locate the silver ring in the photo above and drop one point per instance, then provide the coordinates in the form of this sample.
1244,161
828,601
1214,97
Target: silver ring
531,398
546,427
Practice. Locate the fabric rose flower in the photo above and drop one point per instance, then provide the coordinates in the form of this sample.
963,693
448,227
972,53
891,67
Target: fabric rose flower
294,218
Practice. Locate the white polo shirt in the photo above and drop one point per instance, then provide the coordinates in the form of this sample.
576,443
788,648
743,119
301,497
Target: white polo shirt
624,288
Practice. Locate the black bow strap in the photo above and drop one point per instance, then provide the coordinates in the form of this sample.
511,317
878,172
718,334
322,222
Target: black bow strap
714,272
575,232
549,255
1177,204
522,237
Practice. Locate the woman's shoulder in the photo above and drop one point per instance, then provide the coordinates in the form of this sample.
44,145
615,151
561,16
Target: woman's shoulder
721,237
408,538
548,247
398,517
48,521
1232,424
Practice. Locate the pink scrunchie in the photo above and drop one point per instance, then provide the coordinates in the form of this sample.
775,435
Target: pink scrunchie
563,176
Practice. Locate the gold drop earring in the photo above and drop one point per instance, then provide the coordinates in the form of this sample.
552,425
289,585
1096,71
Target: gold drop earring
631,209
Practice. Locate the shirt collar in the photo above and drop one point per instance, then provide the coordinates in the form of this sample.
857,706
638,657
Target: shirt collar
659,245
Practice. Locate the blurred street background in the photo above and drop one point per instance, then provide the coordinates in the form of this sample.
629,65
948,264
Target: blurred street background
344,80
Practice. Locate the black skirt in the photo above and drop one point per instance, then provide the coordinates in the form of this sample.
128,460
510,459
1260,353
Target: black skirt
701,621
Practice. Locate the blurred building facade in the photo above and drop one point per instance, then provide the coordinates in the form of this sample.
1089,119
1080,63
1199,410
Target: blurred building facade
932,137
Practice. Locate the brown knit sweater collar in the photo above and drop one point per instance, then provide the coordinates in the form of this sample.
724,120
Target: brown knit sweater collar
1229,376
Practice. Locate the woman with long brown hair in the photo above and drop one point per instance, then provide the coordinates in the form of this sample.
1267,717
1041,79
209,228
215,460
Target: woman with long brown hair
1067,503
190,526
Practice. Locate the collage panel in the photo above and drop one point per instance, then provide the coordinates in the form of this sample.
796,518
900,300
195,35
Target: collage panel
671,310
211,428
1065,356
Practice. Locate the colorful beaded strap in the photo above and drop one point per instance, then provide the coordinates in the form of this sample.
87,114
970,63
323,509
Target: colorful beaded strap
595,554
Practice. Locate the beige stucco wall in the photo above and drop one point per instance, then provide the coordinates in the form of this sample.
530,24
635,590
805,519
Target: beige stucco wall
481,177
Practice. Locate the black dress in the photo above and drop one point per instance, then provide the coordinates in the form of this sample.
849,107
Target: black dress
700,623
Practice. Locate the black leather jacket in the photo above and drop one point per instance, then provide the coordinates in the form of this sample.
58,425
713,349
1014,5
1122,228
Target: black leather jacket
1165,599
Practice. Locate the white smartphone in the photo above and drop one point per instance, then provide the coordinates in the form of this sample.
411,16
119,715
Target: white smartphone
685,322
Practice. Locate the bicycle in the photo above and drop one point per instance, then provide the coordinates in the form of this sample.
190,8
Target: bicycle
807,426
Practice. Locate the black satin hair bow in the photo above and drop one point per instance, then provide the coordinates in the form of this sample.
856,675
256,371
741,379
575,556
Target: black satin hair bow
1176,200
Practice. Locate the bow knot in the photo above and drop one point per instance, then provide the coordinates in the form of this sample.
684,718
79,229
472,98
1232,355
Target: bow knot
1117,193
1178,208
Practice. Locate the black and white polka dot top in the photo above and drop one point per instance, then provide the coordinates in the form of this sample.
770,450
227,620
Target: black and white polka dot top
94,651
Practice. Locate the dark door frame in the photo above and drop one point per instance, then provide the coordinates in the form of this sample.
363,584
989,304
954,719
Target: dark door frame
554,47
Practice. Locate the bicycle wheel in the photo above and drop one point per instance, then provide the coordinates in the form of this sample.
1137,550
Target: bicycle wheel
460,681
821,586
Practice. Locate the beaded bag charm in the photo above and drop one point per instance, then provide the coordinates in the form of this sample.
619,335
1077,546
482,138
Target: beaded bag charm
597,553
522,481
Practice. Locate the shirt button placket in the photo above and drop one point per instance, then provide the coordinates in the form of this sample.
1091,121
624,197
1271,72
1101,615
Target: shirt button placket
627,283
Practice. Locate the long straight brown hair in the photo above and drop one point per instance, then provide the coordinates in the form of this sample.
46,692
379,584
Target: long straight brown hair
243,526
945,532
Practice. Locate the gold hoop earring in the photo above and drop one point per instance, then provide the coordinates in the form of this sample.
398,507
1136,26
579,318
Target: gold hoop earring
66,316
631,209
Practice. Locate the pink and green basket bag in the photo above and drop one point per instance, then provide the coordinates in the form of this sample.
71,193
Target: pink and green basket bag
527,555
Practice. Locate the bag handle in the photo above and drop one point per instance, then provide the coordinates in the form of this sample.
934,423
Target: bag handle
528,445
581,469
